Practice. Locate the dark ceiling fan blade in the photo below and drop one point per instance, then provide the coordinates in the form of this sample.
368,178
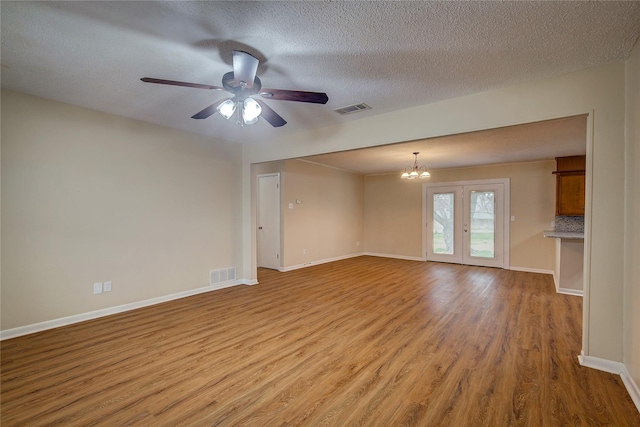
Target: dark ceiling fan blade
271,116
295,95
177,83
245,67
209,111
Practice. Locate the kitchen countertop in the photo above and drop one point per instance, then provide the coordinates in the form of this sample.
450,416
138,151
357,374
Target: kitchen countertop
563,234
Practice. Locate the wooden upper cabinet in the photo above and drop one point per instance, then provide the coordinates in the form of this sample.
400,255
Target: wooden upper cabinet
570,181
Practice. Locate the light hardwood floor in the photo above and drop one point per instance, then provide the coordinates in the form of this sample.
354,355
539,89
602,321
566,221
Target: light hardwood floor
365,341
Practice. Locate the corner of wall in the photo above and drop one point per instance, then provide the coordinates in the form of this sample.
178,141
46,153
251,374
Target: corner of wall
631,292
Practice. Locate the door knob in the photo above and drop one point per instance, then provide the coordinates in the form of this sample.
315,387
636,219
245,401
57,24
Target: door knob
259,228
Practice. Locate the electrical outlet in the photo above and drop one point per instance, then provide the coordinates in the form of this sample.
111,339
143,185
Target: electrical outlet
107,286
304,252
358,243
97,288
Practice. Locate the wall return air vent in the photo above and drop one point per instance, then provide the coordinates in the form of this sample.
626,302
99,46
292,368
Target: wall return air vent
222,275
352,108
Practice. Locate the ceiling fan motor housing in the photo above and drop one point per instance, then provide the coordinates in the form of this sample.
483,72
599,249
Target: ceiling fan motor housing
238,88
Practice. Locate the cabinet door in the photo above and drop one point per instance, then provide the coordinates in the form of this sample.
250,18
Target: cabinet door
570,194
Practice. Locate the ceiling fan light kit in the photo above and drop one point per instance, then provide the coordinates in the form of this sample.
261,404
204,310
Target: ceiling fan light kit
227,108
243,83
250,111
415,171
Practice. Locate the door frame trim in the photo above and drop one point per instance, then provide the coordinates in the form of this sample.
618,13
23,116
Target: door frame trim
279,215
506,182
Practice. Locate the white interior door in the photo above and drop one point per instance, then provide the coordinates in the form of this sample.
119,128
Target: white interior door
268,221
466,224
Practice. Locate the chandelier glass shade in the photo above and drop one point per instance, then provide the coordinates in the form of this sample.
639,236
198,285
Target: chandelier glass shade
415,171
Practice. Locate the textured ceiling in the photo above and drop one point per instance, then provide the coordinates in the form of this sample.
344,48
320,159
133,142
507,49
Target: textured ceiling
390,55
528,142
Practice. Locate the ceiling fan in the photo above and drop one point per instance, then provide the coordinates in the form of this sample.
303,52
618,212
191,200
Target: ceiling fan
243,83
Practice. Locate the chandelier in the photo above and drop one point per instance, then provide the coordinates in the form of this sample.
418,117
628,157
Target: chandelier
415,171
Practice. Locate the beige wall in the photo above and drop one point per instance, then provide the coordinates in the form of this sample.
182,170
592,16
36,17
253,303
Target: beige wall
268,168
89,197
597,91
393,216
632,215
393,211
327,223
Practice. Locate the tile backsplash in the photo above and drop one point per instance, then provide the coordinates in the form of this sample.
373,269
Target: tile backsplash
573,224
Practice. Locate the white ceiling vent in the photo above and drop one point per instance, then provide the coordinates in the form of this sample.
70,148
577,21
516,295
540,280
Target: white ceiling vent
352,108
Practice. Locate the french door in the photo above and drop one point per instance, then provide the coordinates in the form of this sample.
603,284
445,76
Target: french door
466,223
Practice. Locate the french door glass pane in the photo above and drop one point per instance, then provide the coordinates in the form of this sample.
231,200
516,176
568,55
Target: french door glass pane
443,210
482,224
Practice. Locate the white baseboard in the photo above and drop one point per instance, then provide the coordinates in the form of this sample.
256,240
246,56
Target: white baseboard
322,261
409,258
531,270
616,368
76,318
601,364
566,291
632,387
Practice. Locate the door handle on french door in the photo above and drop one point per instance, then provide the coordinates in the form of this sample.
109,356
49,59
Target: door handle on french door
260,228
